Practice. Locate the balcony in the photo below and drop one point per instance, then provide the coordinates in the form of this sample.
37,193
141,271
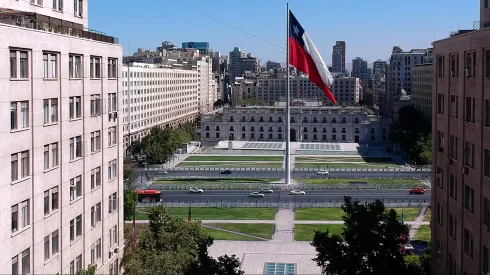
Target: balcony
40,22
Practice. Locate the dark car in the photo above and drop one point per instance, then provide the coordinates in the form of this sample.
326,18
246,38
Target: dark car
226,172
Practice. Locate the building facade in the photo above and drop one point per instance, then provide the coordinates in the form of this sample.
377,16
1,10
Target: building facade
308,124
249,64
61,141
360,70
203,47
422,78
270,65
338,57
379,82
461,146
234,63
155,95
346,90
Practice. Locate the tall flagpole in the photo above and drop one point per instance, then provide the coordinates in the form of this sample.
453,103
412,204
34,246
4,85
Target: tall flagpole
287,120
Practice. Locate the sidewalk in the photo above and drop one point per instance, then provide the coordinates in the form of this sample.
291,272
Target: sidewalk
284,230
280,220
419,220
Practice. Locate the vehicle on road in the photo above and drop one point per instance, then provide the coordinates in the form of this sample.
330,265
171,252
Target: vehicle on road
195,190
417,190
322,172
266,190
256,195
226,172
162,173
149,195
298,192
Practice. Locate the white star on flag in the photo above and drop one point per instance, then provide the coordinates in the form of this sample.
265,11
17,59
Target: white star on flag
295,30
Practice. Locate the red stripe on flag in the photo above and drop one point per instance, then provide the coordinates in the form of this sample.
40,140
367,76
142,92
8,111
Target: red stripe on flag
302,60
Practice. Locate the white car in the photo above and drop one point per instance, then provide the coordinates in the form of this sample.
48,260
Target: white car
322,172
256,195
195,190
266,190
298,192
162,173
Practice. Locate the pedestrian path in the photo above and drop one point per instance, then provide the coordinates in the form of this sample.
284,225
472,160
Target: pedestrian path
419,220
236,232
284,229
275,221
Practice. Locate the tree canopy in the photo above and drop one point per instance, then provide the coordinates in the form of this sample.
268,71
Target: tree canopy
370,243
173,246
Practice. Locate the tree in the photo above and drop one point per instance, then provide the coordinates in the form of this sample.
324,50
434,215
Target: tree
368,97
218,103
413,265
369,244
89,271
423,149
128,173
130,198
173,246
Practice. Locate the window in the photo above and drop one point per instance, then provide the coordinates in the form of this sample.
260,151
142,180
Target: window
486,162
51,205
96,215
78,263
94,67
485,212
26,261
440,66
112,68
75,66
469,198
453,187
22,219
19,115
78,8
95,105
469,154
454,106
452,265
113,203
487,113
485,260
15,265
50,65
75,188
470,64
470,109
454,65
24,165
76,228
452,226
18,64
50,110
95,251
112,169
453,147
51,245
95,141
95,178
75,147
439,214
50,155
440,104
440,141
75,107
58,5
112,137
112,103
113,239
468,243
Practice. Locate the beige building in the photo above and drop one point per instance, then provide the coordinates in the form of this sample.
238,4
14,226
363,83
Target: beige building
156,95
346,90
422,89
61,141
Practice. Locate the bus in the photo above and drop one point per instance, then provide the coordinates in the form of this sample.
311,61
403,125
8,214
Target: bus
149,195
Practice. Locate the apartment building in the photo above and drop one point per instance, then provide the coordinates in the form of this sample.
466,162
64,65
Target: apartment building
157,95
461,146
338,57
346,90
61,141
422,78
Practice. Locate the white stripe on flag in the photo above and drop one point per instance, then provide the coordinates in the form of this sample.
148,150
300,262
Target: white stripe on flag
317,58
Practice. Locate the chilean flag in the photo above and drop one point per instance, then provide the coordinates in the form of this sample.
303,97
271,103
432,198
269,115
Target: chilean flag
305,57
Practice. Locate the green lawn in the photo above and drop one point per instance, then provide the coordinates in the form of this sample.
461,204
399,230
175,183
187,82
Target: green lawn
211,213
263,230
222,235
344,159
318,214
232,164
423,234
234,158
409,214
305,232
428,215
374,181
344,165
214,181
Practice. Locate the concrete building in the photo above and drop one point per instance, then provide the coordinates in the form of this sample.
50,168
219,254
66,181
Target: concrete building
215,56
249,64
360,70
379,81
270,65
234,63
422,78
308,124
403,99
61,141
461,146
346,90
338,57
156,95
203,47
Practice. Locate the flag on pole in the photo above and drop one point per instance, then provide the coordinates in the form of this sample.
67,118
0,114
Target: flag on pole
189,217
305,57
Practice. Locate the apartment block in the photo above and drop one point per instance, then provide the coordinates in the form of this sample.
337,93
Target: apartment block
157,95
422,78
346,90
338,57
461,146
61,141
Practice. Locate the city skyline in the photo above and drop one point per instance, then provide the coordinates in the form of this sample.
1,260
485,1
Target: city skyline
374,41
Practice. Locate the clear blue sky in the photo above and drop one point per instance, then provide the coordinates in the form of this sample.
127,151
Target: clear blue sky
370,27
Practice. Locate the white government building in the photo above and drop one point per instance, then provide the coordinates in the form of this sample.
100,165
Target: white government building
61,141
308,124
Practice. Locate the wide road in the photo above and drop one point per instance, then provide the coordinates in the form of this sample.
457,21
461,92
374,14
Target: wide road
285,196
296,174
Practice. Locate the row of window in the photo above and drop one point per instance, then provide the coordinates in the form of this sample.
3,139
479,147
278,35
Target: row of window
293,119
305,129
305,136
469,108
58,6
20,60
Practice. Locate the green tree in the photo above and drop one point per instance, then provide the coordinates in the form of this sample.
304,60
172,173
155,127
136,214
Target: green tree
413,265
218,103
128,173
89,271
368,97
423,149
369,244
130,198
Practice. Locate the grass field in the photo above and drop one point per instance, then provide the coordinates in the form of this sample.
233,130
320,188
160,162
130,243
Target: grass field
305,232
234,158
373,181
232,164
335,214
263,230
424,233
210,213
222,235
344,159
214,181
344,165
428,215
